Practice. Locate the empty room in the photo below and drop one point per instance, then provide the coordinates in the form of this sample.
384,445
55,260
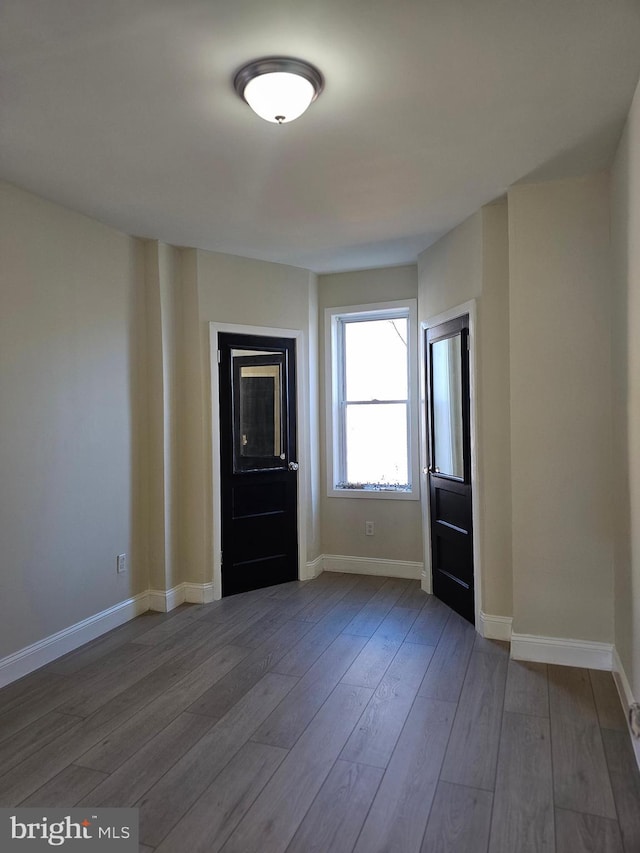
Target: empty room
320,426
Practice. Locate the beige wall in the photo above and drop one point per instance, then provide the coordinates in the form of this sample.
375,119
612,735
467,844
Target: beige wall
227,289
163,371
471,262
626,394
560,293
494,457
194,483
397,523
71,406
450,271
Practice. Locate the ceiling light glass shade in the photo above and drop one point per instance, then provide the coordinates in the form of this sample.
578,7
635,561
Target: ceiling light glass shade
278,89
280,97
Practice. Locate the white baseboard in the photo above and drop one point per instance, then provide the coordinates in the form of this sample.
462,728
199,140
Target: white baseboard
39,654
32,657
495,627
193,593
312,569
626,698
164,601
198,593
622,682
372,566
565,652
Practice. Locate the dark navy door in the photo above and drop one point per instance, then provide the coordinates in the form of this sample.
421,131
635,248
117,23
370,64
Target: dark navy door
449,473
259,480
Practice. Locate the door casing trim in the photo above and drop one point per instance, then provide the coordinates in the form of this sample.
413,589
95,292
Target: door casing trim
471,309
302,451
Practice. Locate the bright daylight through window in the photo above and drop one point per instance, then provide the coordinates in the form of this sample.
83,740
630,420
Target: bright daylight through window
372,417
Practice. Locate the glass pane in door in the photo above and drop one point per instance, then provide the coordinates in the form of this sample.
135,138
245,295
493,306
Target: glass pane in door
258,410
448,450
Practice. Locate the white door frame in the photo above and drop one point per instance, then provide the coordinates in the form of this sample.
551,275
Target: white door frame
471,309
303,450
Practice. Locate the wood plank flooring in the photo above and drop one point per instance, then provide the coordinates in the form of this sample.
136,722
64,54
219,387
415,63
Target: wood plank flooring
349,714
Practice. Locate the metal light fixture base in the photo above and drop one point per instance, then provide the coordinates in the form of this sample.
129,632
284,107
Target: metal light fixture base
275,65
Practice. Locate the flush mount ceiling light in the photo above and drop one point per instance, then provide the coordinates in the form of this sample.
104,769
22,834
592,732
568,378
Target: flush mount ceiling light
279,89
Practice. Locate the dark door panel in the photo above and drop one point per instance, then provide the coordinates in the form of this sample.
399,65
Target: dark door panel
450,465
255,574
248,499
450,589
452,558
452,504
258,461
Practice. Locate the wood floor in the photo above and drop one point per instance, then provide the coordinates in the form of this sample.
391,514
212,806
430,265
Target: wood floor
348,713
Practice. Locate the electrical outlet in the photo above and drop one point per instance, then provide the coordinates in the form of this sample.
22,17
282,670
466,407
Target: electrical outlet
368,528
121,563
634,719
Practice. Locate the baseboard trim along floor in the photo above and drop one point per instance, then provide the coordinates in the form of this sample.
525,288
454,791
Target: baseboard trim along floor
38,654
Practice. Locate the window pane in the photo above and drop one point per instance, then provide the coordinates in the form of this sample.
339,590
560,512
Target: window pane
375,353
376,438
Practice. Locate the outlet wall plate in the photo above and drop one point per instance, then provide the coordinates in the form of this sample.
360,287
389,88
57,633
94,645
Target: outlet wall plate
121,563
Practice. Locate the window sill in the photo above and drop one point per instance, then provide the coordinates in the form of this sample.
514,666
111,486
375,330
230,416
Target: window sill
375,494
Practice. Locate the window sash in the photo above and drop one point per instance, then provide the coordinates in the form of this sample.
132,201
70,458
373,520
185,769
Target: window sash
337,405
373,402
344,403
344,482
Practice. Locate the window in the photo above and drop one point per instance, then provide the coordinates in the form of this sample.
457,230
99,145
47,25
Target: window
371,416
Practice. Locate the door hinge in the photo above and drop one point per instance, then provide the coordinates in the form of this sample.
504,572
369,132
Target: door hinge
468,344
218,356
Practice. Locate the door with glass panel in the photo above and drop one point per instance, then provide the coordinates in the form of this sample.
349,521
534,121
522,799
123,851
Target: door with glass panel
259,480
449,471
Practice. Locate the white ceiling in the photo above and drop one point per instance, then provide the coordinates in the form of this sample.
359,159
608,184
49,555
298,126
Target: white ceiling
124,110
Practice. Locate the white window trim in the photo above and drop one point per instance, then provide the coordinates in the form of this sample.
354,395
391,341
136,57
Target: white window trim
372,311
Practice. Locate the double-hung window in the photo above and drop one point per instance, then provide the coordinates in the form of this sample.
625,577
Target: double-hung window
372,427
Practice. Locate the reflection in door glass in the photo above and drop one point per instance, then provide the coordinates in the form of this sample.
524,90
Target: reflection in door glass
257,403
447,407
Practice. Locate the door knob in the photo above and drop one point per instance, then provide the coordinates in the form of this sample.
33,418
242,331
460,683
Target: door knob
293,466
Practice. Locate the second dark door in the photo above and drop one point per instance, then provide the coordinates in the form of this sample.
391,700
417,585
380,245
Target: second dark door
259,481
449,473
